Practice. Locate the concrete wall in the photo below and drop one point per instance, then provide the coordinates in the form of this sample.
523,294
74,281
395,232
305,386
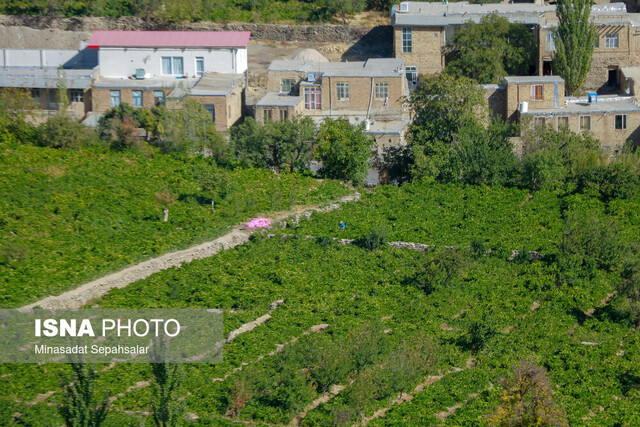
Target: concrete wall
121,62
274,79
496,99
36,57
426,53
517,93
602,127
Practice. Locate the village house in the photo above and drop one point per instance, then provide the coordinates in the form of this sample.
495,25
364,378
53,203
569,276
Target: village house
369,91
421,30
45,72
143,68
540,101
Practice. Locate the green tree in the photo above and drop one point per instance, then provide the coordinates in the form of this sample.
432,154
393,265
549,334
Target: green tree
329,8
629,288
15,106
167,409
80,406
249,143
344,150
442,106
575,40
527,400
61,131
491,49
288,141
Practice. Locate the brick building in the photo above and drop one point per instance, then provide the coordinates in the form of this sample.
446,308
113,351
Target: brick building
540,101
421,30
371,91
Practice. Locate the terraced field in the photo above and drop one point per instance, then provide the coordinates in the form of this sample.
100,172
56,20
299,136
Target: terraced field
390,336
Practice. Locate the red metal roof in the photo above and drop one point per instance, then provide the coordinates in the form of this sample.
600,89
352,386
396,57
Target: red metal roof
169,39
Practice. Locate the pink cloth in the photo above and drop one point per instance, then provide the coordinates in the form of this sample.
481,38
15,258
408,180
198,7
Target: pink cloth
258,223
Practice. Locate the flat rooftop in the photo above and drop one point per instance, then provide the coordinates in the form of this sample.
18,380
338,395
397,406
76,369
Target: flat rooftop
275,99
533,79
36,77
214,84
605,104
375,67
144,84
457,13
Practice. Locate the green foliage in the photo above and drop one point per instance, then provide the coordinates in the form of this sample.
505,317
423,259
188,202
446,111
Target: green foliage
575,41
375,239
442,106
491,49
167,409
629,288
527,400
61,131
342,8
478,334
69,216
15,105
274,144
344,150
438,271
80,406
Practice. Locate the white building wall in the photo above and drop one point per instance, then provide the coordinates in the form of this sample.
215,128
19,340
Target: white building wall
123,62
35,57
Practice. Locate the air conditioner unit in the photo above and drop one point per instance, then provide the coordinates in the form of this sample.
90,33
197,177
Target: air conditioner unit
404,6
311,77
140,73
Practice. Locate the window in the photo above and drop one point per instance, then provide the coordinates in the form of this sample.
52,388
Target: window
199,66
312,98
621,121
172,65
158,97
284,114
382,90
115,98
536,92
342,90
52,99
229,111
412,74
35,94
287,85
551,39
267,116
596,42
136,98
76,95
539,122
407,40
563,122
611,41
212,111
585,122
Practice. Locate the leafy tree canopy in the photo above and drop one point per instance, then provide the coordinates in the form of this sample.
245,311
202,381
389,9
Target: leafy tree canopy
490,50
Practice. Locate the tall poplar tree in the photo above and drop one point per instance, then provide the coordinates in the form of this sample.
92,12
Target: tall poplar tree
575,39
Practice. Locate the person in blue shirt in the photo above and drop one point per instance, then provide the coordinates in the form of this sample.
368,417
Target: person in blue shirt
342,226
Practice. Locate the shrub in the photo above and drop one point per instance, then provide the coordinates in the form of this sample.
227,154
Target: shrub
373,240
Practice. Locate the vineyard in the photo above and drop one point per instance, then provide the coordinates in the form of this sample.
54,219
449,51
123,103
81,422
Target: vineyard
380,335
71,216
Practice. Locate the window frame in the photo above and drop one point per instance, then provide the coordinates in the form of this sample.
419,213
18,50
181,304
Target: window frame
267,115
158,100
381,90
111,98
289,82
76,95
284,114
413,70
211,109
534,92
199,60
609,40
134,98
539,121
582,120
564,118
173,60
312,98
623,122
551,40
343,91
407,40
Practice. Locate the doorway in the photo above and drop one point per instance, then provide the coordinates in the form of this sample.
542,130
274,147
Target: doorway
612,80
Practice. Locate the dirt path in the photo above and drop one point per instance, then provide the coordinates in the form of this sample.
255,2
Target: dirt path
240,234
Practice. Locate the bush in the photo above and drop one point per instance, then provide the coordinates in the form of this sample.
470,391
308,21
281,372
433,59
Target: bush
61,131
373,240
